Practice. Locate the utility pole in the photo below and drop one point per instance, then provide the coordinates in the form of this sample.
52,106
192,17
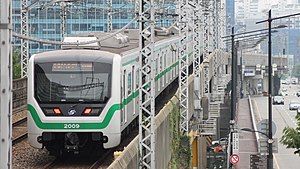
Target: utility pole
270,142
183,67
233,88
5,85
147,85
270,114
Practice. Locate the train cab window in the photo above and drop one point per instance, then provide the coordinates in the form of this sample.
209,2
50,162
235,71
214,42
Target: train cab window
71,82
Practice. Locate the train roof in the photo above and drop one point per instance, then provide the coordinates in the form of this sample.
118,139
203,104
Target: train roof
133,44
74,54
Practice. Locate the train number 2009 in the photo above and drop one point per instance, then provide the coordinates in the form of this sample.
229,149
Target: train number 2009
71,126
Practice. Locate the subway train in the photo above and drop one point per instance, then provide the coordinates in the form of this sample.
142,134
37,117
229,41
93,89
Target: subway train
81,98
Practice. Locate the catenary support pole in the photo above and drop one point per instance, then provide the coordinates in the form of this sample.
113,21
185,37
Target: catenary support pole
109,15
183,67
147,85
197,59
5,85
63,19
24,42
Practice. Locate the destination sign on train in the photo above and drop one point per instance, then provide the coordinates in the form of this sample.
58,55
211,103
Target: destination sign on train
72,67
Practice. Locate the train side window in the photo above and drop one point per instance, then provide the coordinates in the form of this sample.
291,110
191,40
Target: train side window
133,81
156,66
137,74
129,83
167,73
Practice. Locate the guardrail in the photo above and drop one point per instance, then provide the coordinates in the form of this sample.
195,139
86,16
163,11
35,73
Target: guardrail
254,123
19,93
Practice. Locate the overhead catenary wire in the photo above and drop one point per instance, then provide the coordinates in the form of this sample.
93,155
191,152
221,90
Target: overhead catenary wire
44,41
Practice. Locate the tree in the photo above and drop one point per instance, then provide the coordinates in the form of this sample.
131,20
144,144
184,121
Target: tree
16,64
291,137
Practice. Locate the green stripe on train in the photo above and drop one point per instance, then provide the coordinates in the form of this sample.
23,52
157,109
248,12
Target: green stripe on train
87,126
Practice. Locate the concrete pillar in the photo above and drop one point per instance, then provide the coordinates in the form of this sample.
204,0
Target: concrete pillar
202,162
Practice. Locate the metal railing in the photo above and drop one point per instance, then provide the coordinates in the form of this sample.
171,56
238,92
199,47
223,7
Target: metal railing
19,93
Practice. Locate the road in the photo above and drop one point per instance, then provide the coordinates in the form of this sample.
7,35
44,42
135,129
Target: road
282,116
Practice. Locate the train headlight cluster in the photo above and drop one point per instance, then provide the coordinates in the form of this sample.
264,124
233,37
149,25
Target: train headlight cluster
52,111
87,111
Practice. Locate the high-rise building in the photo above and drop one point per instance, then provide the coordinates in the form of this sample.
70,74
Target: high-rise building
230,15
286,41
82,16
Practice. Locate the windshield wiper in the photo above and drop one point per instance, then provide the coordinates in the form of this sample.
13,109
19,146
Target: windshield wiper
80,102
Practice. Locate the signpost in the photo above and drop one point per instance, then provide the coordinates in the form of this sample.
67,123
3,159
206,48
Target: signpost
263,148
258,161
235,143
234,159
263,126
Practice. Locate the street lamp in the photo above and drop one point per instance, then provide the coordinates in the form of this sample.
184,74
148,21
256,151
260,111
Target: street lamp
253,131
269,20
235,37
270,141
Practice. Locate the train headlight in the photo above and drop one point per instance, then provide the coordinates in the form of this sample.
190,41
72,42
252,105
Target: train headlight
87,111
56,111
91,111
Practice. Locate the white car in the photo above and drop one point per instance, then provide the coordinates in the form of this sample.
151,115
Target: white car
294,105
278,100
222,141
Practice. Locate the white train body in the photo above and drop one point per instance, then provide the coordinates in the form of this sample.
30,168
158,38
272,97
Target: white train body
63,70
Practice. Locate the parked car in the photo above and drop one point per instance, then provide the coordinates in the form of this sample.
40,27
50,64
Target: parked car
294,105
222,141
278,100
298,94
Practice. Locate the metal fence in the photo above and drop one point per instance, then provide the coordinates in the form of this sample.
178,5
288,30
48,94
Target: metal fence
19,93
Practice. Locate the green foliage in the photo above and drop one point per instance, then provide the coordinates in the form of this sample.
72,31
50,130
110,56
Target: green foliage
16,64
296,71
184,152
291,136
181,149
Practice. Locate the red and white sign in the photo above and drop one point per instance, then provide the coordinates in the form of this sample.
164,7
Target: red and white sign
234,159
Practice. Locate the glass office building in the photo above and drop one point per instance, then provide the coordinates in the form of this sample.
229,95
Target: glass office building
82,17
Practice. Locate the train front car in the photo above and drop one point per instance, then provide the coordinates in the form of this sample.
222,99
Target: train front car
72,96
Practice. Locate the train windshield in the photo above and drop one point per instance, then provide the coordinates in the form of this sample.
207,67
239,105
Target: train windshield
72,82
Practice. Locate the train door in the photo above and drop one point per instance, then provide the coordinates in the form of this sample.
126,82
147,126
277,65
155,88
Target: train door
124,96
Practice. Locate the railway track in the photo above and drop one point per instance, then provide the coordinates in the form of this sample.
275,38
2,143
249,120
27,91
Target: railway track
19,131
83,163
101,160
